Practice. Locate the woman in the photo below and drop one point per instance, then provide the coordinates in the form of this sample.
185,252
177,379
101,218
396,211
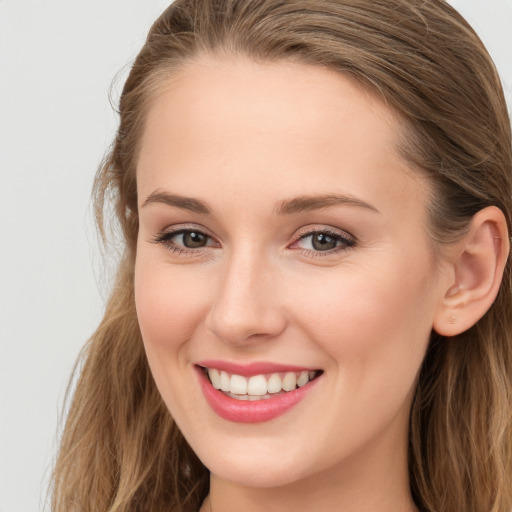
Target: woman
313,308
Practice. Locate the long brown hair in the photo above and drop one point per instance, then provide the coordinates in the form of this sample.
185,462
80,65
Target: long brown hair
121,451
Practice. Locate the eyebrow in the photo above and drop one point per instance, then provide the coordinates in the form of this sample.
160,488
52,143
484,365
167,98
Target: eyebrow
185,203
312,203
285,207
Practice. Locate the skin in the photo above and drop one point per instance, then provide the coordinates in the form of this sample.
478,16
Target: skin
244,137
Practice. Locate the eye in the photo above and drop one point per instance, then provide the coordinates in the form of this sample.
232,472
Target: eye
185,240
326,241
190,239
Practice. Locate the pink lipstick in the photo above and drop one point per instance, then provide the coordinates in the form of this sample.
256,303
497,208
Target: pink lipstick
255,392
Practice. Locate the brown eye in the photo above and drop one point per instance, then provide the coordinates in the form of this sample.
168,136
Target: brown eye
183,240
323,242
193,239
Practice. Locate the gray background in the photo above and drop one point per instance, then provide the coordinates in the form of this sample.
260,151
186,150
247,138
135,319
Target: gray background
57,61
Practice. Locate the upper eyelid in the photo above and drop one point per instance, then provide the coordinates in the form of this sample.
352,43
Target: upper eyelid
182,228
163,237
311,230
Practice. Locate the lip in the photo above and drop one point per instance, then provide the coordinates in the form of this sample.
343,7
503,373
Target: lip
241,411
250,369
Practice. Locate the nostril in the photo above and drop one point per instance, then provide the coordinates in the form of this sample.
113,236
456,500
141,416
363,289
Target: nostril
237,326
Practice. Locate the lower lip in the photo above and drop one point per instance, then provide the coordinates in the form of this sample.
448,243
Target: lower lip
256,411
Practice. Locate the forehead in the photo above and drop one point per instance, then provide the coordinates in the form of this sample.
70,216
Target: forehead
273,98
242,125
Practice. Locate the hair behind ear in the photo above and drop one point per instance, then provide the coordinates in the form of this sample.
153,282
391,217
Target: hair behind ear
464,394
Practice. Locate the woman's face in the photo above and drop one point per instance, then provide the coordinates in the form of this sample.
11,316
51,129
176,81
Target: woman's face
282,238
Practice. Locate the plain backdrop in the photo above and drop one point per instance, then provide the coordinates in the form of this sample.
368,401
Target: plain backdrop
57,61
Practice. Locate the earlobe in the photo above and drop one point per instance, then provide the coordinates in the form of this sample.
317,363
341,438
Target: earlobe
477,268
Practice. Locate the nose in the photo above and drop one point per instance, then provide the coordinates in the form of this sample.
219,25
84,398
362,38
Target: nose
246,307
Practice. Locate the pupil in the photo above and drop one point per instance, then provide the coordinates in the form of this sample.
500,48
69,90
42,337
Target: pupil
323,242
193,240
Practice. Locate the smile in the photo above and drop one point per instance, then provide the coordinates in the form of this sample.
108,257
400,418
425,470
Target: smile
254,393
258,387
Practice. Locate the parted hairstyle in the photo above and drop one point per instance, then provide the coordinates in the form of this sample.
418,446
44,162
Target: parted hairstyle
120,449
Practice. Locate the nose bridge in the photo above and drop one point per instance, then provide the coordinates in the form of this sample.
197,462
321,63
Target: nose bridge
245,305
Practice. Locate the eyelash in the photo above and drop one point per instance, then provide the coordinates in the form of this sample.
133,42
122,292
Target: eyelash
164,238
344,240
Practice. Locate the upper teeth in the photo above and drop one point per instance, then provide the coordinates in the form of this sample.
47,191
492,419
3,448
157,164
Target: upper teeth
258,385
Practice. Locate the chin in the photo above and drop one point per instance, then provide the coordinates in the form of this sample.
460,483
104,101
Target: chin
257,475
256,464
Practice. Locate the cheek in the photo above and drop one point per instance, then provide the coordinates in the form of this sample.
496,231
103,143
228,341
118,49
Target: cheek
170,306
375,328
373,322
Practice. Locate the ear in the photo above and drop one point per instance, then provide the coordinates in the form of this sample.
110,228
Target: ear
476,267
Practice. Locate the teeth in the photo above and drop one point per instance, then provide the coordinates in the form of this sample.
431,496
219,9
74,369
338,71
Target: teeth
224,381
289,381
303,379
274,383
258,386
215,378
238,385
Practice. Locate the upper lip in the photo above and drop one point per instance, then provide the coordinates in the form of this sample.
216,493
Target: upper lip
253,368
